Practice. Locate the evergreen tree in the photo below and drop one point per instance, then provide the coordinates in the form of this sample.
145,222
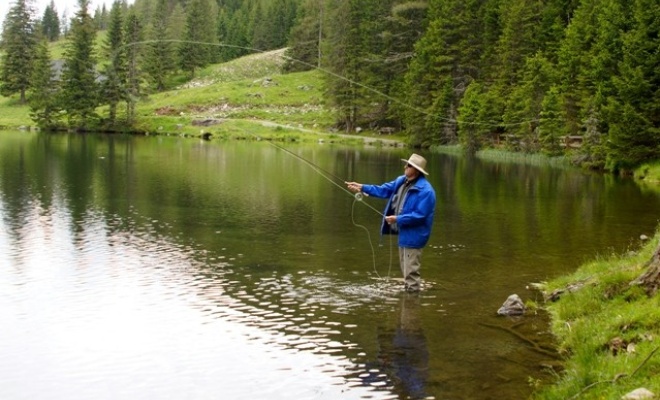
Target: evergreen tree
159,60
354,47
343,49
405,26
281,15
196,50
551,123
519,38
50,23
407,23
524,103
134,38
235,36
447,58
471,130
79,86
592,154
574,58
633,113
114,86
145,9
304,42
177,23
44,91
19,45
262,28
479,117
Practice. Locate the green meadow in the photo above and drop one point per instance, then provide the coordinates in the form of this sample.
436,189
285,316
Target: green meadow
245,98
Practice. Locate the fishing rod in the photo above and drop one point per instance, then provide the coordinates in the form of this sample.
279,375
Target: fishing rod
327,175
358,197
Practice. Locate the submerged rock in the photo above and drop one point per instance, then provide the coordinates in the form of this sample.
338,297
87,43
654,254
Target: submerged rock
512,306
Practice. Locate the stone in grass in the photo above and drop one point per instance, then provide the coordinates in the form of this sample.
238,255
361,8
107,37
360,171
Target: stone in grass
639,394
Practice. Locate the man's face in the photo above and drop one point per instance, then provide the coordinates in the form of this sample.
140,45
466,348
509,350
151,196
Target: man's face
410,171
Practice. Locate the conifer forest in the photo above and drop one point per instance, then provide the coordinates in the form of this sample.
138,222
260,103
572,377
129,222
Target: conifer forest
540,73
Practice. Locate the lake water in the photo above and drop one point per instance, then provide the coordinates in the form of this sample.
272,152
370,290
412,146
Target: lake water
169,268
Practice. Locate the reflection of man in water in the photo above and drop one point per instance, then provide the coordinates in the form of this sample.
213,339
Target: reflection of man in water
404,355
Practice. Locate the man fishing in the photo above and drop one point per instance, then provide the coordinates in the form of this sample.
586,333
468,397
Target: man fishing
408,213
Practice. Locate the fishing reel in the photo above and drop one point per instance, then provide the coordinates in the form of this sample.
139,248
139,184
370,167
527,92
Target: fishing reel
359,196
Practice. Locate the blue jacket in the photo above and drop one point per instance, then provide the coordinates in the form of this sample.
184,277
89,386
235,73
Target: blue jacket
416,218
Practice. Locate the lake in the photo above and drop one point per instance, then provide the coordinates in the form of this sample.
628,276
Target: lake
167,267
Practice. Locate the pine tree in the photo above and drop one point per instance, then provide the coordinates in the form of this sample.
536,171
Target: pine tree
633,112
281,15
354,49
114,86
65,24
133,39
304,41
234,35
471,130
343,50
407,23
159,61
519,38
79,86
551,123
199,38
19,45
262,28
447,58
524,103
44,91
50,23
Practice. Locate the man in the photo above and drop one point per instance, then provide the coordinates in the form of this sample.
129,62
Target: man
409,213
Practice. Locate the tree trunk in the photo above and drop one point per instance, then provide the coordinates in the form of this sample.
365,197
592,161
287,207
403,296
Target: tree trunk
650,279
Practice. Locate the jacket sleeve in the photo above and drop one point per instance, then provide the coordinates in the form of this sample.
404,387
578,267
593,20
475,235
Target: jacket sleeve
383,191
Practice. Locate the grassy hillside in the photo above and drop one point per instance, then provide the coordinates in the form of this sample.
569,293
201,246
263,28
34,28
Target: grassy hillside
246,97
249,90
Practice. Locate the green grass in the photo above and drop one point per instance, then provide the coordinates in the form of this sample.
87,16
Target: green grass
504,156
244,93
607,329
13,114
247,93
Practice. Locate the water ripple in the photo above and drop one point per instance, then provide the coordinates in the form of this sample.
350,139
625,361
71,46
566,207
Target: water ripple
118,310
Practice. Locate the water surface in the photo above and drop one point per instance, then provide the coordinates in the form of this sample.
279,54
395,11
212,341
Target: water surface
163,267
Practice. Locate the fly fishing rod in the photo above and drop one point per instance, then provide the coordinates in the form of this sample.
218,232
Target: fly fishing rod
358,197
328,175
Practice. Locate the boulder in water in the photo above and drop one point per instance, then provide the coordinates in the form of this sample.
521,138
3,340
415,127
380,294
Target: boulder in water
512,306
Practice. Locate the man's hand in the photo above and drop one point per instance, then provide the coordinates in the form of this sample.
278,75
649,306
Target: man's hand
354,186
390,219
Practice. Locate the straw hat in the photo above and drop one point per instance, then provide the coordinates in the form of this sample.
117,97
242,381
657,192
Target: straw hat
418,162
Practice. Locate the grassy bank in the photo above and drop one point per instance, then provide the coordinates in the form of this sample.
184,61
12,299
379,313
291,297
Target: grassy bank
608,329
247,98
